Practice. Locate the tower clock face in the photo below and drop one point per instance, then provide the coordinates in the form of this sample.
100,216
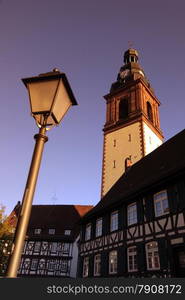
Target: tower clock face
124,73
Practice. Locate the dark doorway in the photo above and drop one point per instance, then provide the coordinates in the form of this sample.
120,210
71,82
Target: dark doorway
179,261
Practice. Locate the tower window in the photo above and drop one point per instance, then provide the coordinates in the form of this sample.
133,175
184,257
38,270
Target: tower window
123,109
114,143
114,164
149,111
129,137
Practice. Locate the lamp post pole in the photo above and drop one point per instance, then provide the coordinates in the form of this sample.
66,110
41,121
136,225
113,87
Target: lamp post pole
26,206
50,98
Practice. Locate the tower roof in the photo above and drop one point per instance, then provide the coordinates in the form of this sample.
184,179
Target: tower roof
130,71
129,54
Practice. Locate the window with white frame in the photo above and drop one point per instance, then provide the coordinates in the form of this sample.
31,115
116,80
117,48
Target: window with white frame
37,247
114,221
99,227
88,232
53,248
65,248
86,267
161,203
132,259
26,263
34,264
113,262
152,256
51,265
51,230
37,231
132,214
97,265
64,266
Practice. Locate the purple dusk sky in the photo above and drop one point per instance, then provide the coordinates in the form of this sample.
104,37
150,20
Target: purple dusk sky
85,39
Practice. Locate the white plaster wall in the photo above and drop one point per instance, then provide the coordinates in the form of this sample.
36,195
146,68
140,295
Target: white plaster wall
74,261
151,140
123,149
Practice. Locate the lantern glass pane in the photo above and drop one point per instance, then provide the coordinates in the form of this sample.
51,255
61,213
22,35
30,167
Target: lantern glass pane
62,102
41,95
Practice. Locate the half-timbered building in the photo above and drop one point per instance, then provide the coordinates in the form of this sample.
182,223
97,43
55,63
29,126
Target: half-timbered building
138,227
50,247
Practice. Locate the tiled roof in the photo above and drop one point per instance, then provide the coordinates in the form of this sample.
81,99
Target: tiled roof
58,217
165,161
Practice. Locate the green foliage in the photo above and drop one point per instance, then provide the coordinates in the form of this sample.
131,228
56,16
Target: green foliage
6,228
6,237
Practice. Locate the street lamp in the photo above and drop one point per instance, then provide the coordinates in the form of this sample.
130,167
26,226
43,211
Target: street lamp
50,98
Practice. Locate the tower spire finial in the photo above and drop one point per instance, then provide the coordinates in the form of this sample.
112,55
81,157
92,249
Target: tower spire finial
130,44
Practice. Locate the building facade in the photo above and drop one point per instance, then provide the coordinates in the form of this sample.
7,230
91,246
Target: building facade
138,227
50,248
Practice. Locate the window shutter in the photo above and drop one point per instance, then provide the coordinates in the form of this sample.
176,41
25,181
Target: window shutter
83,228
121,261
140,211
104,263
80,267
106,224
181,194
93,229
141,258
163,254
91,266
124,216
120,219
172,198
149,207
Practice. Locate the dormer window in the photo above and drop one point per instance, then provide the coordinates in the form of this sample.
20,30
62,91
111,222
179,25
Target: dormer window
51,231
67,232
37,231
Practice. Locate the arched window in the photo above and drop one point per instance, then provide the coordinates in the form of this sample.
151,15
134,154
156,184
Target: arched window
123,109
149,111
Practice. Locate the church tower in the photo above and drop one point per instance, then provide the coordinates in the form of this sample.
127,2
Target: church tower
132,128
